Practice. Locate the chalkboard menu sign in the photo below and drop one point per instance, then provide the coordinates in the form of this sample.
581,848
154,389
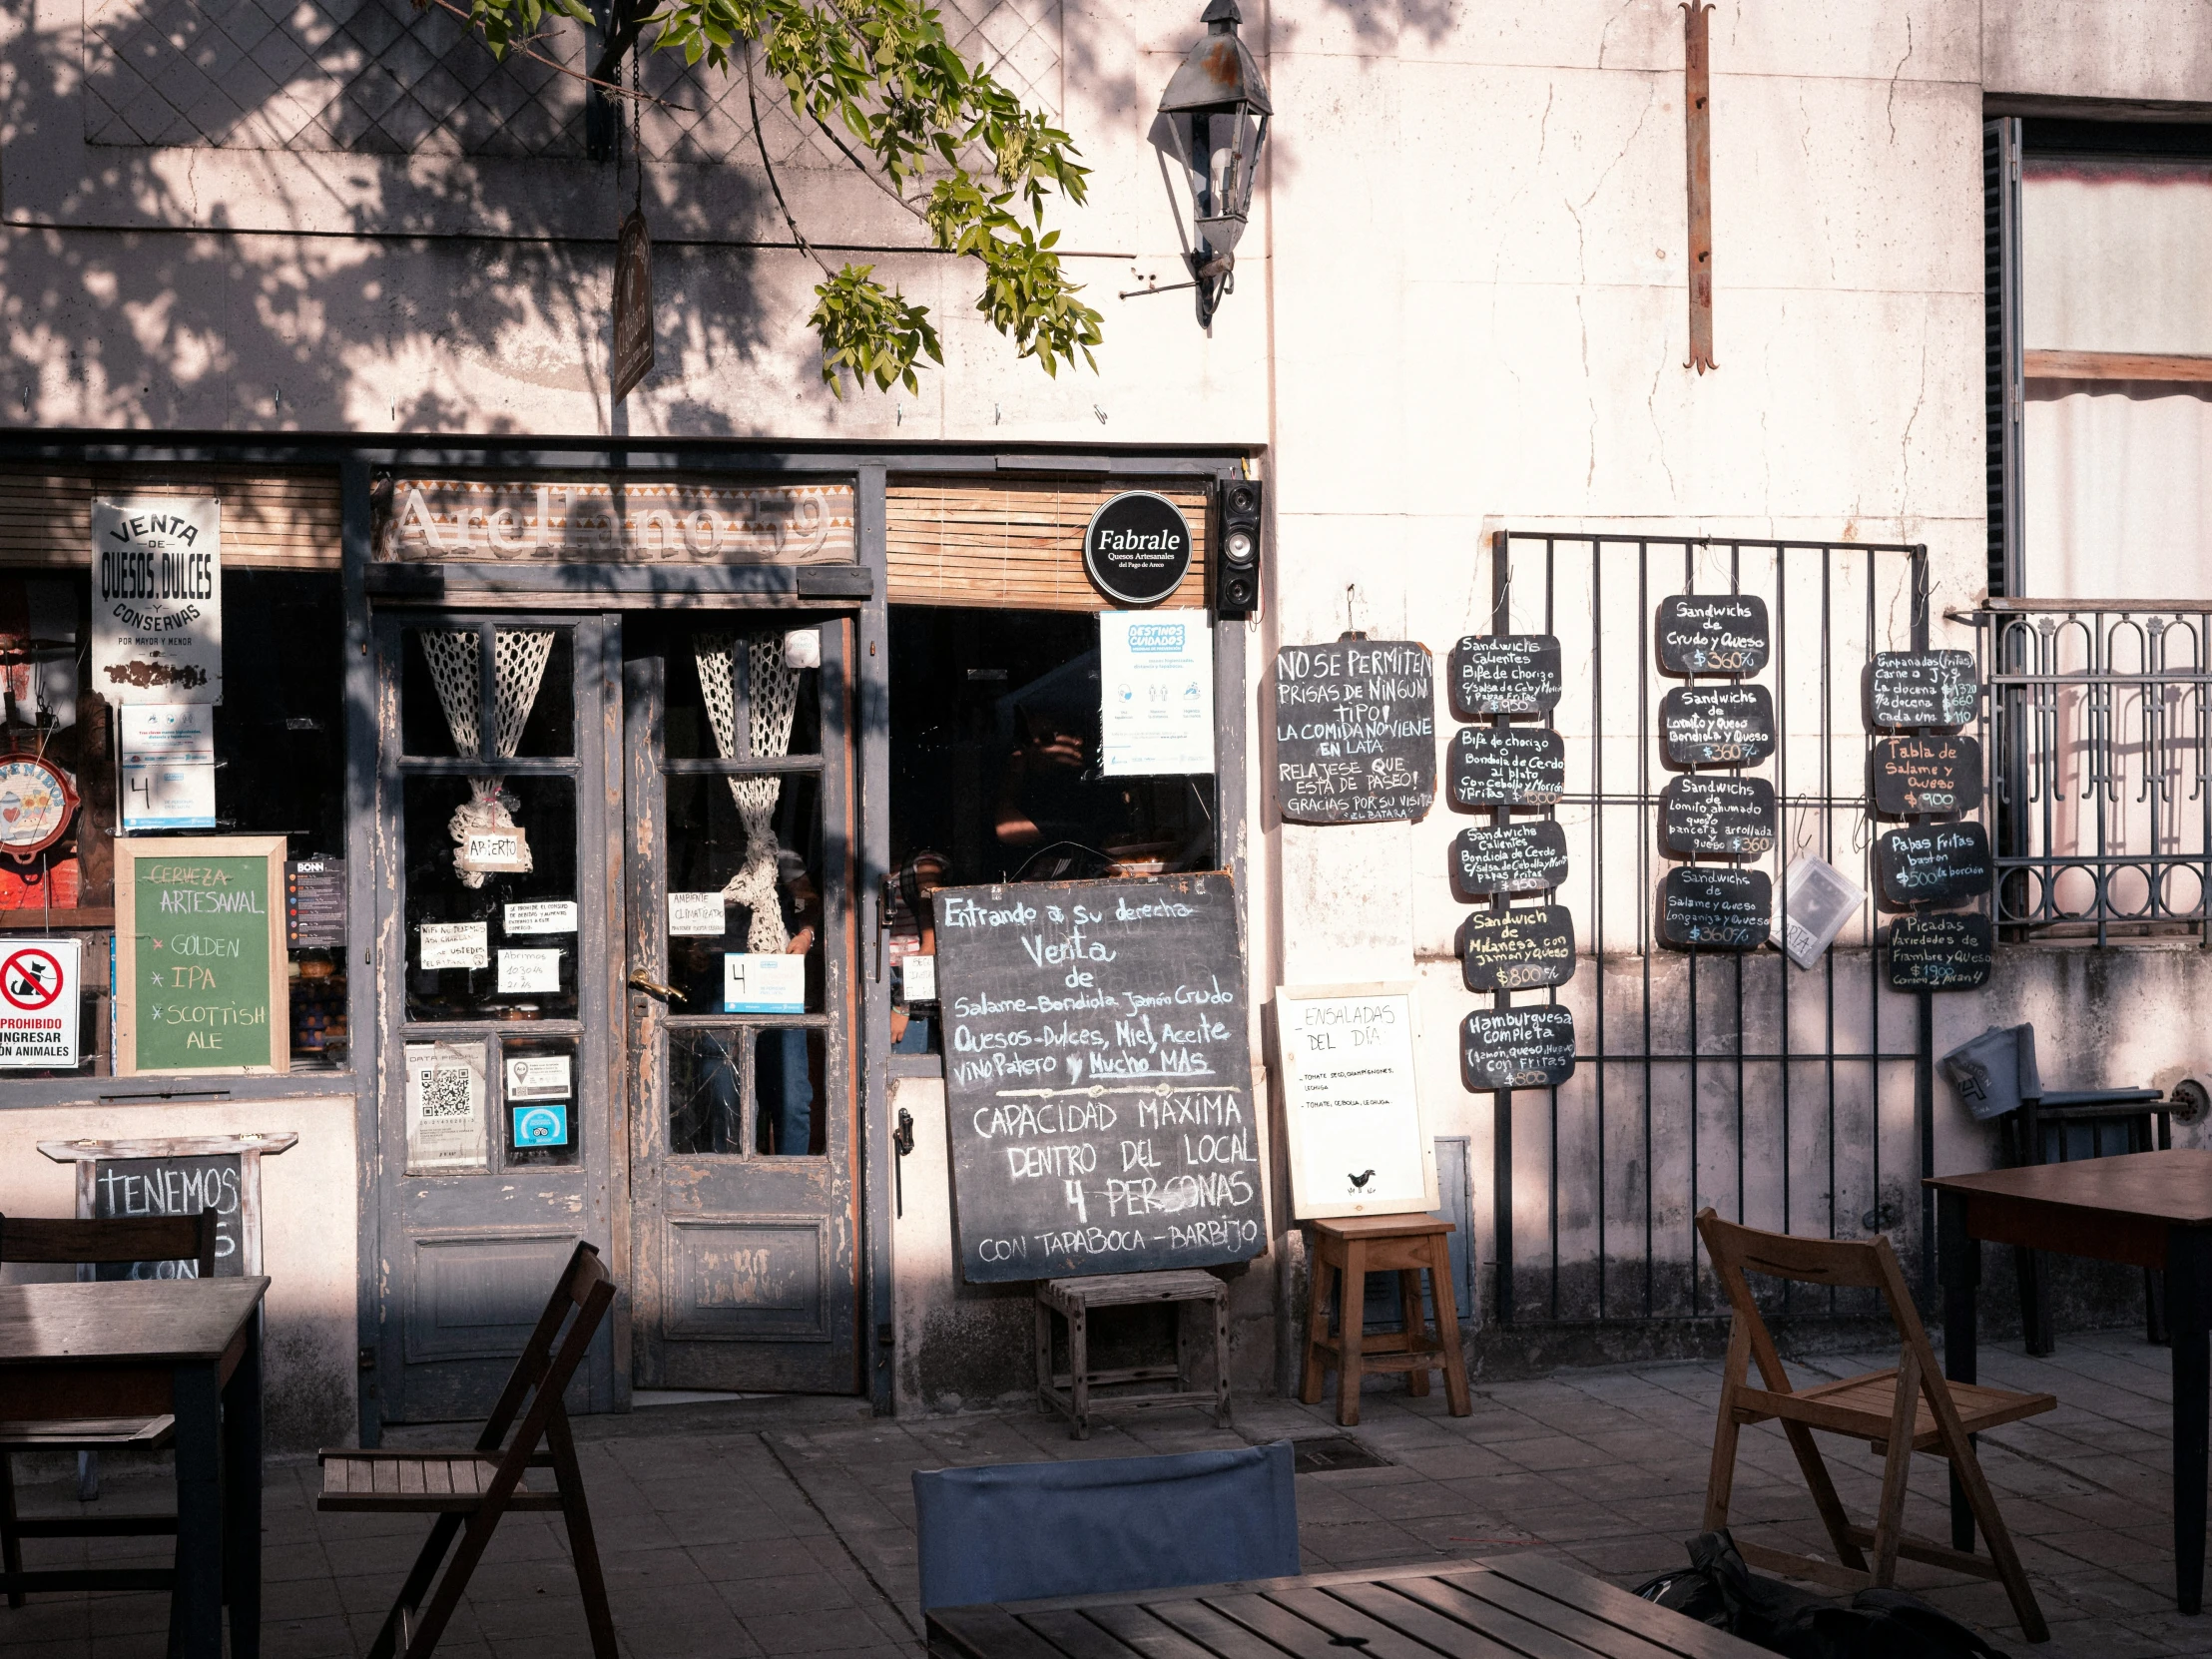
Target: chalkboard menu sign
1513,858
1943,951
1917,690
1506,673
1717,818
1717,726
1516,1048
1517,950
1925,777
1098,1079
1714,633
1513,766
1934,864
1716,907
201,976
176,1176
1355,731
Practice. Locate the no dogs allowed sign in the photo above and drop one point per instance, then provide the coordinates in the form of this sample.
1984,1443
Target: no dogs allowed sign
41,987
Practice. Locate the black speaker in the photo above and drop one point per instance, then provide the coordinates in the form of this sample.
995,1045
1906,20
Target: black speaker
1236,550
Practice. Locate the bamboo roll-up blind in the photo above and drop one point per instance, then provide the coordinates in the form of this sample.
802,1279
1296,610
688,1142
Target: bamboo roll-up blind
271,520
1017,544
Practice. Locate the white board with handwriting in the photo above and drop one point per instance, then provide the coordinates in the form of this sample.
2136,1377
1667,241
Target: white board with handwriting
1351,1102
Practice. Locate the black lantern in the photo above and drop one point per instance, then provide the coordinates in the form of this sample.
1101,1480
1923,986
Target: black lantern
1217,113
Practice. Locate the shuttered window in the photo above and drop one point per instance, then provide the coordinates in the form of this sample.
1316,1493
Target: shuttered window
271,521
1017,544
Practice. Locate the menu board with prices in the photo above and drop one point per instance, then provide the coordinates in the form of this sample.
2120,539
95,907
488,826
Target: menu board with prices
1516,1048
1717,726
1506,673
1509,858
1531,948
1512,766
1703,817
1922,690
1710,633
1933,863
1941,950
1925,777
1716,907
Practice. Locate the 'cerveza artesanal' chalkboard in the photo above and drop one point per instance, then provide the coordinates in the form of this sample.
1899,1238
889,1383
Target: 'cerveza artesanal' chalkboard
1513,858
1355,731
1716,907
1506,673
1934,864
1527,949
1913,689
1516,1048
1925,777
1944,950
1717,726
1098,1077
1513,766
1717,818
1710,633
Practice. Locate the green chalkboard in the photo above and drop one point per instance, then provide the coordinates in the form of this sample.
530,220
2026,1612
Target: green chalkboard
198,986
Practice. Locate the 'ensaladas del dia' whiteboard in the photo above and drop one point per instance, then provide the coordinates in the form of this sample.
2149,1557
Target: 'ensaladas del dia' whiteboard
1351,1102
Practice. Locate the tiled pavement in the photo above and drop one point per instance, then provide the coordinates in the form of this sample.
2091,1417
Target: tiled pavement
786,1527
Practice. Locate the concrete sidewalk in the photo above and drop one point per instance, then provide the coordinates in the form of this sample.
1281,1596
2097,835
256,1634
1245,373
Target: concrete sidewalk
786,1527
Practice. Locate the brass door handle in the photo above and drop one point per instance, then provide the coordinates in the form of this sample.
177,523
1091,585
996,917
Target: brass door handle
642,981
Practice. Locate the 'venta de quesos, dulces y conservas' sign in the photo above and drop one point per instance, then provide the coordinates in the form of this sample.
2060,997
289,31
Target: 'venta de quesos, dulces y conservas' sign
201,979
1925,777
1943,950
1098,1077
1506,673
1509,858
1513,766
1710,633
1355,731
1914,690
157,599
1933,863
1516,1048
1527,949
1716,907
1717,818
1717,726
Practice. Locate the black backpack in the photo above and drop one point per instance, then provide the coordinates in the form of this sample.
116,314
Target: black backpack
1718,1589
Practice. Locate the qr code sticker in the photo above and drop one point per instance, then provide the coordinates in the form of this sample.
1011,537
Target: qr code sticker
445,1092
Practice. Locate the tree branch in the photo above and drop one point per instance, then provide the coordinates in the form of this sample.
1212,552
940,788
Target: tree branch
754,104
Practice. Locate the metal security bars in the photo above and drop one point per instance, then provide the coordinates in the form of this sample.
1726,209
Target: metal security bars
1791,1099
2097,732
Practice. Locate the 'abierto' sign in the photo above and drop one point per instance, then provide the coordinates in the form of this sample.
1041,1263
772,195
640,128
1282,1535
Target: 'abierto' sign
157,599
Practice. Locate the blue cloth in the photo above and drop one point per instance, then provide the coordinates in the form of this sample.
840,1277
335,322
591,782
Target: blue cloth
1017,1532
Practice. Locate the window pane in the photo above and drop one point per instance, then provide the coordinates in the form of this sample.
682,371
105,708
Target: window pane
707,1071
717,711
705,1093
469,922
537,685
787,1083
708,845
439,687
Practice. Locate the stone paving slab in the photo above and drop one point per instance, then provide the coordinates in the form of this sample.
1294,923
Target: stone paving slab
759,1529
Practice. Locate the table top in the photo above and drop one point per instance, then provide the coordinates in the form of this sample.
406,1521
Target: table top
142,1321
2173,1186
1461,1610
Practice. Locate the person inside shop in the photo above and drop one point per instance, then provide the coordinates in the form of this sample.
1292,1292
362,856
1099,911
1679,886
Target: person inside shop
917,877
783,1064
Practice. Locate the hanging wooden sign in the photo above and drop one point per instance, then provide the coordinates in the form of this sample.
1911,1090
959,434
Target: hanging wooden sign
1710,633
1716,907
1355,731
1513,857
1943,950
1697,135
1513,766
1717,818
633,358
1930,777
1922,690
1717,726
1517,950
1934,864
1506,673
1516,1048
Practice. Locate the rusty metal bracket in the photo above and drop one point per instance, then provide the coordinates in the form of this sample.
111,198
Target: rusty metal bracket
1697,123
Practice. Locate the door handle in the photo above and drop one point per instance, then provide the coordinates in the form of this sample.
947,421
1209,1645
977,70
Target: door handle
642,981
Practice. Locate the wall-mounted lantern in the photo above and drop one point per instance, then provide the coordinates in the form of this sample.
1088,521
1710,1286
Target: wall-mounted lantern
1217,113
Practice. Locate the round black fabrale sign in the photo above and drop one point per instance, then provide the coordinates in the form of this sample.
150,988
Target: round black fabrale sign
1138,548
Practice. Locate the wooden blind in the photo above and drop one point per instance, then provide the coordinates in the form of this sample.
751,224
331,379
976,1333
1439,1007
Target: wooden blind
271,520
1017,544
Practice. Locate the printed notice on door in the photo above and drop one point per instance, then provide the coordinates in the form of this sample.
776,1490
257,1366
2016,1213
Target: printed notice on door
445,1109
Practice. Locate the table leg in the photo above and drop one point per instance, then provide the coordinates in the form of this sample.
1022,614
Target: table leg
1959,1264
242,1497
195,1604
2188,1287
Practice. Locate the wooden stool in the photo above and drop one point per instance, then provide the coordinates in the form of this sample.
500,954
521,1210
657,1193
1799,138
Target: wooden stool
1357,1245
1073,1299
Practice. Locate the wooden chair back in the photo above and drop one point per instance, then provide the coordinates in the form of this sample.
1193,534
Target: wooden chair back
1837,1264
544,1371
117,1239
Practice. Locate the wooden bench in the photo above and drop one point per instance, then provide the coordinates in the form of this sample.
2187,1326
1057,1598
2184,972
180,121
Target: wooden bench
1069,1391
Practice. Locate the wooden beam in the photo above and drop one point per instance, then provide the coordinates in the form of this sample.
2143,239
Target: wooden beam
2116,365
1697,106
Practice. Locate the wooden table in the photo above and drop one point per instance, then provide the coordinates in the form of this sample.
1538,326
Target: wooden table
1464,1609
191,1347
2143,1208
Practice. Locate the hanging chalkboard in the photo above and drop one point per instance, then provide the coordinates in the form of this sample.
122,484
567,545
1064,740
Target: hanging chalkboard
1943,951
1506,673
1717,726
1513,766
1717,818
1710,633
1517,950
1922,690
1516,1048
1516,858
1925,777
1716,907
176,1176
1098,1078
1355,731
201,973
1934,864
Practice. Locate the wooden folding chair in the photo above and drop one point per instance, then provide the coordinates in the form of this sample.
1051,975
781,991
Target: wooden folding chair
480,1486
123,1238
1906,1408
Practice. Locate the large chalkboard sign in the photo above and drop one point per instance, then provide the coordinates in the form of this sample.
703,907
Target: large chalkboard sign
1934,864
1943,951
1716,726
1355,731
1513,857
1717,818
1506,673
201,975
1921,689
1710,633
1098,1078
1716,907
1516,1048
1925,777
1513,766
176,1176
1517,950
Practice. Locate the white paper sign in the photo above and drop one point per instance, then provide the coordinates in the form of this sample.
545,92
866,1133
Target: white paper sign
754,983
1156,693
920,977
157,600
1350,1101
545,915
445,1107
454,945
493,852
538,1077
529,970
168,755
41,995
696,916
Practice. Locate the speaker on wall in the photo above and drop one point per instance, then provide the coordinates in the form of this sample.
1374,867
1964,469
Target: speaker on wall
1236,550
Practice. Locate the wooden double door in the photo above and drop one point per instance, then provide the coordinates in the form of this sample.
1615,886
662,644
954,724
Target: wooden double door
646,1037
